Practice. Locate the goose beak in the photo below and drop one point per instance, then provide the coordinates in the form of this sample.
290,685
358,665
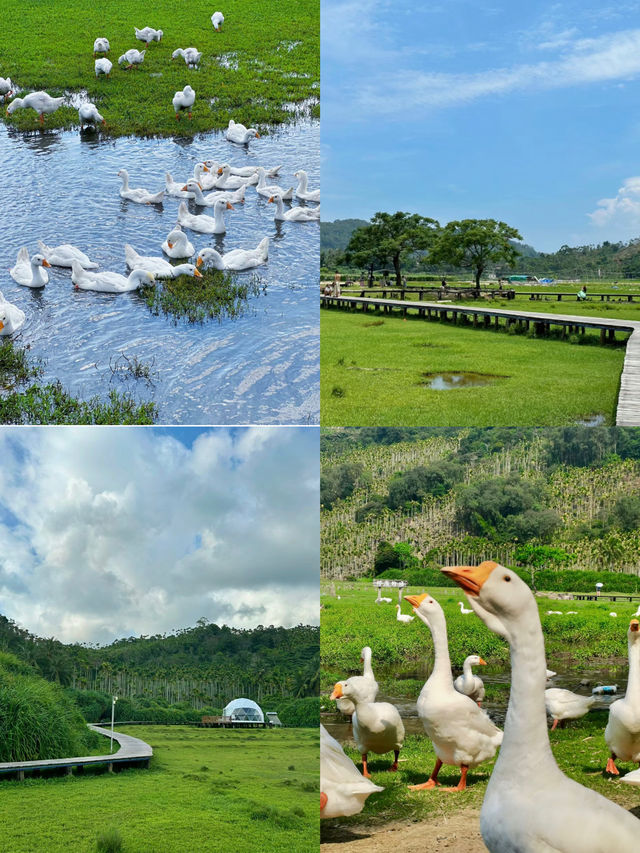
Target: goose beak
199,184
205,168
270,200
170,245
46,263
634,625
199,262
483,662
470,578
151,276
184,188
1,325
415,600
337,692
257,136
230,206
197,274
220,171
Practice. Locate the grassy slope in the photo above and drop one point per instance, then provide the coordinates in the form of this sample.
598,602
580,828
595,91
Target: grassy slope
550,382
41,50
206,790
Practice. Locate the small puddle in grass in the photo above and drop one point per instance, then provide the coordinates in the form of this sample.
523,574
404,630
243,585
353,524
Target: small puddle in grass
449,381
592,421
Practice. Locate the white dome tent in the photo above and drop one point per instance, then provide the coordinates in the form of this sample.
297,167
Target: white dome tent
244,711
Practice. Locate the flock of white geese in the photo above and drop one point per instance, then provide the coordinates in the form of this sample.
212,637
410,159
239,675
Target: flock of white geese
530,805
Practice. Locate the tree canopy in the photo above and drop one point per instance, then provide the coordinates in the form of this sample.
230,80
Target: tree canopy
474,244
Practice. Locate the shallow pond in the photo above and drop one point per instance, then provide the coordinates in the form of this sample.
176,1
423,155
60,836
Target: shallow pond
262,367
452,381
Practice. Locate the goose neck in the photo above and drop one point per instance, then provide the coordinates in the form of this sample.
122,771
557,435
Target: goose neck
633,683
442,662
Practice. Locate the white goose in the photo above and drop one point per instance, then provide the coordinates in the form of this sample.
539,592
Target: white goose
564,705
177,244
103,66
205,224
217,19
6,87
108,282
243,171
461,733
89,115
184,100
177,188
377,726
295,214
464,610
236,259
139,195
301,190
191,56
132,57
63,255
11,317
209,200
158,266
468,683
203,175
622,733
227,181
240,134
343,789
530,805
101,45
28,271
148,34
41,102
401,617
365,685
268,190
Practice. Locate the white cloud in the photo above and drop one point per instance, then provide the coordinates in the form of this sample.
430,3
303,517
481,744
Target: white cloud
622,209
108,532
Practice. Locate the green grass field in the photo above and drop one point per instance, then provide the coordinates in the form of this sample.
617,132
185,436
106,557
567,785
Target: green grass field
207,790
372,374
264,61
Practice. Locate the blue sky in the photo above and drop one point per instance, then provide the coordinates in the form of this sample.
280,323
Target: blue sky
525,112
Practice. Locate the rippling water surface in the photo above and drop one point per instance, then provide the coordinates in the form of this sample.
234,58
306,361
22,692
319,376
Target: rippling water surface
61,187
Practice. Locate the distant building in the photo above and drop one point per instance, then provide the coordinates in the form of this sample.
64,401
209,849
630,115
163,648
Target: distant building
273,719
243,711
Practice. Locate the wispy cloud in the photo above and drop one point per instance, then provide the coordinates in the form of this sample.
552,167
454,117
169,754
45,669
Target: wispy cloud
622,209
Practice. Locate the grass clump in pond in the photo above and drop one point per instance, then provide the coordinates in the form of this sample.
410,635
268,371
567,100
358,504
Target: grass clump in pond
38,720
254,88
214,296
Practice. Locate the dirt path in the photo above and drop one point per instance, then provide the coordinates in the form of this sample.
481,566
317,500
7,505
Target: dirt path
456,833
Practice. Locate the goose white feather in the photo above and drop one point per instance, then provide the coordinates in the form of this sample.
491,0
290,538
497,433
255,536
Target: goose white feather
88,114
103,66
176,188
158,266
464,610
364,685
530,806
217,19
108,282
269,190
236,259
402,617
191,56
12,318
132,57
209,200
240,134
227,181
101,45
28,271
6,87
41,102
139,195
63,255
184,100
343,789
205,224
469,683
295,214
177,244
148,34
302,190
622,733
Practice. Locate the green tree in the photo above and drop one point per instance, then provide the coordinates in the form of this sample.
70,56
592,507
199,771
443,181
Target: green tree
389,239
475,244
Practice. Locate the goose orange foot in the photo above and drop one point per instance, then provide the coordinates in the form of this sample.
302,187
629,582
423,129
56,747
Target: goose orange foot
611,767
426,786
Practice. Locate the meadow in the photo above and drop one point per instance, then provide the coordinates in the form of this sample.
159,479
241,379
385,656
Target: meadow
373,373
207,790
262,68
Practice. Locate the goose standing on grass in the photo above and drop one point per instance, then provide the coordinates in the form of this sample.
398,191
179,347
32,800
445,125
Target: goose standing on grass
343,789
377,726
89,115
400,617
184,100
236,259
63,255
468,683
191,56
464,610
41,102
364,685
28,271
103,66
177,188
462,734
209,200
205,224
148,34
564,705
217,19
268,190
622,733
295,214
158,266
139,195
101,45
177,244
530,806
108,282
301,190
11,317
6,87
132,57
240,134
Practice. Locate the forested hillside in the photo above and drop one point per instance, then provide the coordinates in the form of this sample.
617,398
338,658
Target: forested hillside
402,500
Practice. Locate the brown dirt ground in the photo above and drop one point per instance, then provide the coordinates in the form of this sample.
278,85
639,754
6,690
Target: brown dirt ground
456,833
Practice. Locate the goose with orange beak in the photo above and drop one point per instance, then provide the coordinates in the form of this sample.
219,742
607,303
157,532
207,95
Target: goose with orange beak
462,734
530,806
377,726
469,683
622,733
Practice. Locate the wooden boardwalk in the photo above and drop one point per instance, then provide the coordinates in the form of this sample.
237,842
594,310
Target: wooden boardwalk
482,316
132,751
